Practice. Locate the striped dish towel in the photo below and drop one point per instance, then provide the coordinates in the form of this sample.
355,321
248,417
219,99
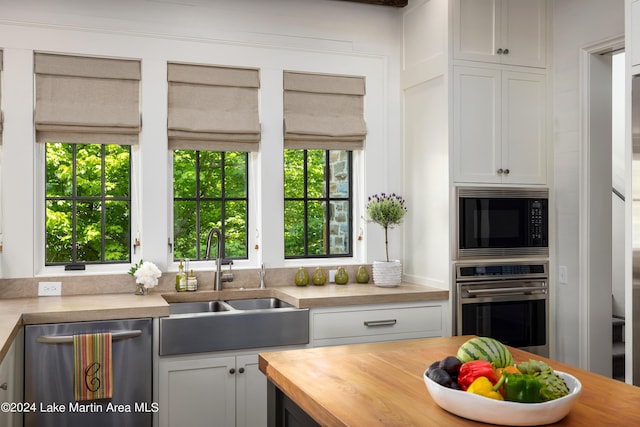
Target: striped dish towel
92,370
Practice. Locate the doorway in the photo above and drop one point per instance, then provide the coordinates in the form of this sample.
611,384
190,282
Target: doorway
596,199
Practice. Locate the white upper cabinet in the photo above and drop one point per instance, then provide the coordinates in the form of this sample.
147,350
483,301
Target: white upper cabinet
499,126
510,32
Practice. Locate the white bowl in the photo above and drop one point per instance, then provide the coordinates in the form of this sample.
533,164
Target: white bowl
486,410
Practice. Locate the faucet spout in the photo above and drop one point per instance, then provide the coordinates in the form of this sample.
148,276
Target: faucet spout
218,282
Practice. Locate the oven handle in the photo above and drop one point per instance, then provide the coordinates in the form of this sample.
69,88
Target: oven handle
520,290
64,339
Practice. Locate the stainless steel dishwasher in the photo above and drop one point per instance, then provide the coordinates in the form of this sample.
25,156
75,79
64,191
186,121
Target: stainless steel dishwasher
48,388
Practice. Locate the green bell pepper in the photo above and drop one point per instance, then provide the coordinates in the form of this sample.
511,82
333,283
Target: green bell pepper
521,388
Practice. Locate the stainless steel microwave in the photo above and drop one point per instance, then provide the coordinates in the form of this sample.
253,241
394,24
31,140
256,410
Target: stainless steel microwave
502,222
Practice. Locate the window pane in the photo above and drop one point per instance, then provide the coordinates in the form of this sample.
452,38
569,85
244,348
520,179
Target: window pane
184,229
294,173
117,233
316,230
116,170
59,170
89,235
235,238
59,238
315,174
339,173
339,227
294,231
88,170
210,174
184,173
235,175
210,213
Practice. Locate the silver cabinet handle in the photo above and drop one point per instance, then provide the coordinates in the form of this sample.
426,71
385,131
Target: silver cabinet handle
500,171
4,386
63,339
506,51
373,323
506,171
499,51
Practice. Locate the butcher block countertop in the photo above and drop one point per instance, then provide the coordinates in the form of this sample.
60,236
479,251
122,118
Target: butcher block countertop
15,312
382,385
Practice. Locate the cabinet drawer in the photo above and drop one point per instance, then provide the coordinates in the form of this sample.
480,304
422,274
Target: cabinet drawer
362,323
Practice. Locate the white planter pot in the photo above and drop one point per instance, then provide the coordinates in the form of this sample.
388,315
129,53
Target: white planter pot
387,274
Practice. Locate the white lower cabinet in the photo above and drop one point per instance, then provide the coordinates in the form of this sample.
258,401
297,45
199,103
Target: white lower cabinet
205,390
11,383
373,323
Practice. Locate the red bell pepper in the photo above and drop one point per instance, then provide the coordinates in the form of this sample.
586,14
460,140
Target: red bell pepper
469,371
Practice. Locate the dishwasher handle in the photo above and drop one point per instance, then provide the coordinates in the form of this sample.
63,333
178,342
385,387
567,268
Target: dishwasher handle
64,339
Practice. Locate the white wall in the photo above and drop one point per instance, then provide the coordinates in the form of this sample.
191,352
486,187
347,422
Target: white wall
577,24
310,35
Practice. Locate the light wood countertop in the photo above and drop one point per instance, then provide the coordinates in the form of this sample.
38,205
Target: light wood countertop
16,312
382,384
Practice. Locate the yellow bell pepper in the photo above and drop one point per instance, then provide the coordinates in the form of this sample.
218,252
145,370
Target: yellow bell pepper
484,387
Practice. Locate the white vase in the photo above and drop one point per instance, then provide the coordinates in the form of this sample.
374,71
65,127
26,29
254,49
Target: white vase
387,274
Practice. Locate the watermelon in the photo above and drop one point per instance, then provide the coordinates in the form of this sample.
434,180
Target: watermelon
485,348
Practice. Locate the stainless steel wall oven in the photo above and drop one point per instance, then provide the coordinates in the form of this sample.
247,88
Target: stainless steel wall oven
508,301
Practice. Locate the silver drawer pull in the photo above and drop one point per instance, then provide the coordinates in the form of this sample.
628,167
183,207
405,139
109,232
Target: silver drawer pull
372,323
63,339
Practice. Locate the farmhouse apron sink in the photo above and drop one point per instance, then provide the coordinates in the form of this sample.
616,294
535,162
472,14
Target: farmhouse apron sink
205,326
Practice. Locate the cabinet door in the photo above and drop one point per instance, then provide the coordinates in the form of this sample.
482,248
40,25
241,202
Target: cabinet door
476,24
523,32
524,151
500,31
7,386
477,154
251,393
198,392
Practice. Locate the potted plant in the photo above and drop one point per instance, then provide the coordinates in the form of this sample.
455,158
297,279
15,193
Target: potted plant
387,210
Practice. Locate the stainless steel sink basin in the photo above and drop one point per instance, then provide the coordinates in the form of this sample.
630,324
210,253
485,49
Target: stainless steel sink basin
206,326
198,307
258,304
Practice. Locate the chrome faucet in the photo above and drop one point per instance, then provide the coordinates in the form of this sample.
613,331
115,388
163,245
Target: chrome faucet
218,282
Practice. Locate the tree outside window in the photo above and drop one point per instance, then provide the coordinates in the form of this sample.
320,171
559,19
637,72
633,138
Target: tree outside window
88,203
210,190
317,203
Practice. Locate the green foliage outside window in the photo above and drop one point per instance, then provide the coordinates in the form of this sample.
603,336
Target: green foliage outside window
210,190
88,203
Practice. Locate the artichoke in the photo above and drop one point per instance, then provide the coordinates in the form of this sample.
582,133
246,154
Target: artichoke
552,385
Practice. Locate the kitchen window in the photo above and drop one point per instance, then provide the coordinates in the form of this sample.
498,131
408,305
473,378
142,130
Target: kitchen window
88,203
323,125
318,203
210,190
87,117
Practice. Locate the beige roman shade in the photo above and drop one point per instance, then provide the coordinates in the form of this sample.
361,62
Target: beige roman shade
87,100
324,111
213,108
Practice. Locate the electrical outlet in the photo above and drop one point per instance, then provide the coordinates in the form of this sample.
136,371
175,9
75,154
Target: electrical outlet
48,289
332,276
562,275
